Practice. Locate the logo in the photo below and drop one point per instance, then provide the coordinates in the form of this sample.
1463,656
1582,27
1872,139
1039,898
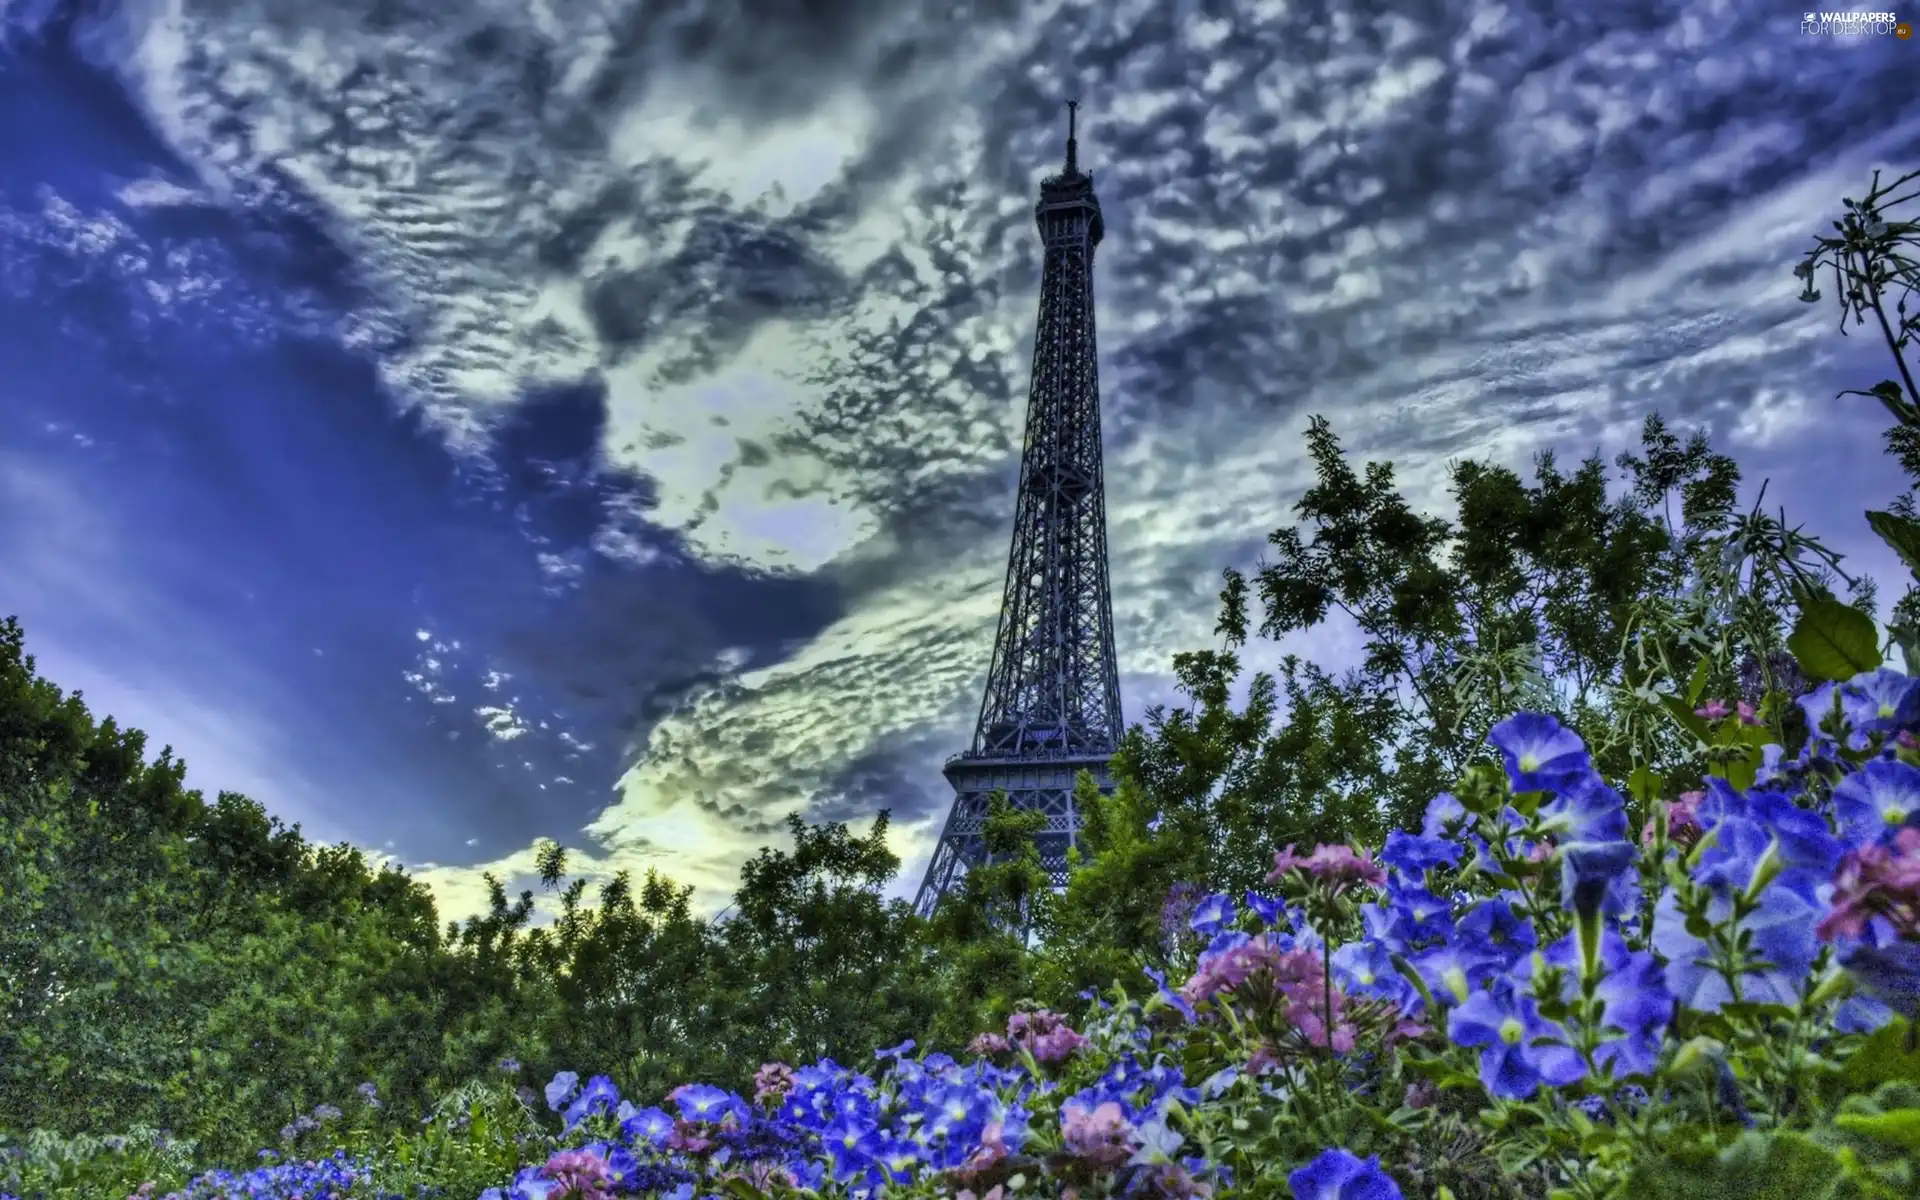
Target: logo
1854,24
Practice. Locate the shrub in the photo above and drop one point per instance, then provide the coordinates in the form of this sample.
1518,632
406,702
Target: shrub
1521,996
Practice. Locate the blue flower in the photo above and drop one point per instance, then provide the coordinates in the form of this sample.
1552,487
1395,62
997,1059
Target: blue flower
1635,1003
1888,973
1520,1049
1588,873
1496,929
560,1087
1212,915
1781,937
853,1147
1818,705
704,1102
1169,997
1453,970
1586,810
1365,968
1444,813
1541,755
1880,795
1860,1014
1880,701
1223,942
1269,911
1415,854
1340,1175
1416,915
651,1125
1806,841
600,1095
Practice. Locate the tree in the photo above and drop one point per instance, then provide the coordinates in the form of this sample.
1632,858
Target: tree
1602,598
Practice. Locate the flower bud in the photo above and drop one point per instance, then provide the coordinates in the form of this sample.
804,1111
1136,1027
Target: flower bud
1766,870
1837,984
1699,1054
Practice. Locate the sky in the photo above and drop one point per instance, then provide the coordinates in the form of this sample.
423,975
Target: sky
461,425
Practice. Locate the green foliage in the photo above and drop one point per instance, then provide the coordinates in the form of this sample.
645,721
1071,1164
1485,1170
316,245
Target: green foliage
1618,602
1832,640
197,967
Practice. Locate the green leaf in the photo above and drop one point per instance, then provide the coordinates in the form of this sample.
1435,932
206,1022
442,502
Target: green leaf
1698,683
1778,1166
1833,641
1645,786
1884,1057
1902,533
1900,1127
1685,717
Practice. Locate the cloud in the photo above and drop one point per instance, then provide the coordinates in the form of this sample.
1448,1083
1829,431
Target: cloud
794,244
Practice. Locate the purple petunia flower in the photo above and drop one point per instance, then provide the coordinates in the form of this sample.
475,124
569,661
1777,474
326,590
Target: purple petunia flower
1271,912
1444,812
1413,855
1365,968
1340,1175
1592,875
1888,973
1502,934
1881,794
1211,915
1635,1002
1586,810
1541,755
1781,934
1519,1049
1880,701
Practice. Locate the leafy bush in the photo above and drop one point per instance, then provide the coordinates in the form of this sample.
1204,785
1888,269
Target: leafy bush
1719,1001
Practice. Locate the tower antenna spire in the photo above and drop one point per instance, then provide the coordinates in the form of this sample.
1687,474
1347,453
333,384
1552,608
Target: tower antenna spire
1073,143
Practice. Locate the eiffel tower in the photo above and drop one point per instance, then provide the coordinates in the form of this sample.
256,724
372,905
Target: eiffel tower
1052,704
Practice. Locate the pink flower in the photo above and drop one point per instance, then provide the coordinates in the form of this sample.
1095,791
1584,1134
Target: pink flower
1172,1181
692,1138
1263,1059
986,1045
1296,977
1332,863
1712,710
580,1174
1045,1035
1683,822
1100,1135
995,1193
989,1154
1876,881
771,1083
1747,714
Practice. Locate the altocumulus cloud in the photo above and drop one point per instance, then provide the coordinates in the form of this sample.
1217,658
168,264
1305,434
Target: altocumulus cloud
793,241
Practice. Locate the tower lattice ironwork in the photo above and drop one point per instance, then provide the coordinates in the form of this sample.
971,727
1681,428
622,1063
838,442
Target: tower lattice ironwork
1052,703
